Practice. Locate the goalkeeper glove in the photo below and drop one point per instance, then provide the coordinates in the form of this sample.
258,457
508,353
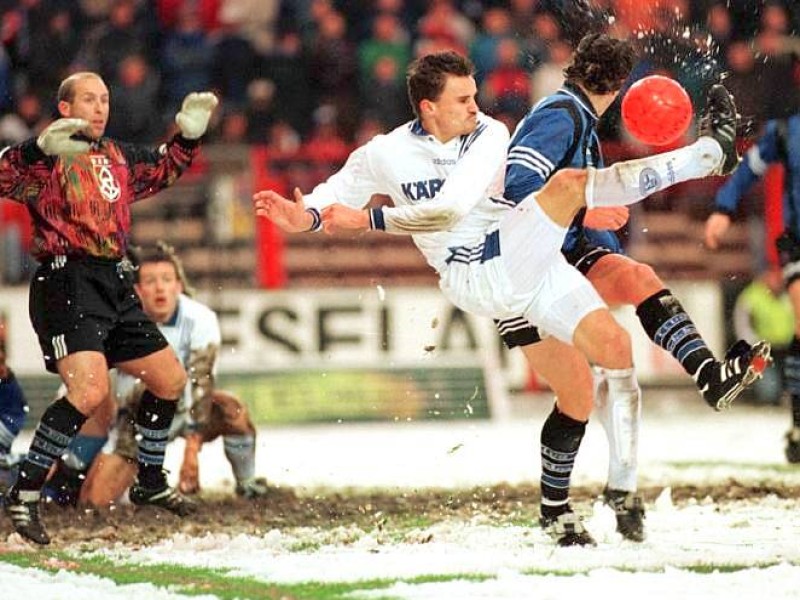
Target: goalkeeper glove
195,113
56,139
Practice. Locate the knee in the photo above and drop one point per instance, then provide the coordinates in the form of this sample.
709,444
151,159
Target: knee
174,383
569,183
642,277
87,396
614,350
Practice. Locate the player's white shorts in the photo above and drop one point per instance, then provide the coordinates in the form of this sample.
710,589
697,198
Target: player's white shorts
519,270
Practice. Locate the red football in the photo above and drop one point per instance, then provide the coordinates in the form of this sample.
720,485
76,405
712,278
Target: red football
656,110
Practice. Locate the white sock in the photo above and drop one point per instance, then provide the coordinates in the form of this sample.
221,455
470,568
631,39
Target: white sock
240,450
619,408
630,181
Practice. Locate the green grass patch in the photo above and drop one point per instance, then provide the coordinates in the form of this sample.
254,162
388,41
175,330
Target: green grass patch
196,581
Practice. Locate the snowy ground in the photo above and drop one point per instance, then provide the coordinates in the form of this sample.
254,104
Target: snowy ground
682,442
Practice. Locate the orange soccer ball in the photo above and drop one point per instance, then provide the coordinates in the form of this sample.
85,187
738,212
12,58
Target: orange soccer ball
656,110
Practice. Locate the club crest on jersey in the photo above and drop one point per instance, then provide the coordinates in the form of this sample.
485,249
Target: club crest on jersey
421,190
109,186
648,181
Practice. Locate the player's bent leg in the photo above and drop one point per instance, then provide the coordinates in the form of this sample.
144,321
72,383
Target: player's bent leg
603,341
64,485
107,480
567,373
165,378
85,374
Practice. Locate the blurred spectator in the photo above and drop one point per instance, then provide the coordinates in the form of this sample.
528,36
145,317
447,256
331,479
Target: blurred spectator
326,147
444,23
284,142
186,58
52,51
549,76
169,13
390,40
27,121
260,110
385,95
233,65
522,13
496,26
234,127
255,20
285,66
110,42
507,88
369,127
6,81
742,82
763,311
332,66
719,26
135,91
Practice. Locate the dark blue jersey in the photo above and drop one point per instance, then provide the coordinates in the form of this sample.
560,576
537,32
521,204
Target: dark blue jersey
780,143
557,133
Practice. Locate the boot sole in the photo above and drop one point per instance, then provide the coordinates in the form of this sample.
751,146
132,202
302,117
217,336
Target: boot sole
758,364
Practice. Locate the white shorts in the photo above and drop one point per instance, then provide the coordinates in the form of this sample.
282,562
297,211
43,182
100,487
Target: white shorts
525,275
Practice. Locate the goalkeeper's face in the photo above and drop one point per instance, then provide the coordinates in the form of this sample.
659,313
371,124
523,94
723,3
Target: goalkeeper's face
90,102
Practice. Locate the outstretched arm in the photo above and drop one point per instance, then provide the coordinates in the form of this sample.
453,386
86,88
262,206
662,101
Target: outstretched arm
290,215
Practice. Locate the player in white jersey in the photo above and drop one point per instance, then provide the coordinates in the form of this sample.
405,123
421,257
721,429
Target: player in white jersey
203,414
444,173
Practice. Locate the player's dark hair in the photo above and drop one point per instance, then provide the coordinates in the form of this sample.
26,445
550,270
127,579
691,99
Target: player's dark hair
161,252
601,64
427,75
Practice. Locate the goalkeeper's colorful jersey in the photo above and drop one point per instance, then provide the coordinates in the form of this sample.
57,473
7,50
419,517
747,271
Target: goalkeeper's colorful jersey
557,133
80,204
446,195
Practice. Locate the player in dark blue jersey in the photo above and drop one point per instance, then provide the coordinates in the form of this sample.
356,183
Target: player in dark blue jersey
779,144
560,132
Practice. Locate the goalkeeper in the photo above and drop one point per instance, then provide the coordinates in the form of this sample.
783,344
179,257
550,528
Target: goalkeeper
78,187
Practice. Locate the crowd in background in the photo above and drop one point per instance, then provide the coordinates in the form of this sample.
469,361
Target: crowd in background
311,79
325,73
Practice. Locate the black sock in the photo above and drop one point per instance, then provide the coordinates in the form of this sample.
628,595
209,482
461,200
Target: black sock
152,427
561,437
59,424
791,375
669,326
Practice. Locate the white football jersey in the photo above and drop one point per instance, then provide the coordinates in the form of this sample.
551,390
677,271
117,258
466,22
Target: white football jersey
459,183
194,327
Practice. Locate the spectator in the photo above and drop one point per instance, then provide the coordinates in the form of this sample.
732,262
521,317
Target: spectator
260,110
385,94
763,310
507,88
483,50
233,65
388,39
135,91
286,67
52,52
185,60
332,66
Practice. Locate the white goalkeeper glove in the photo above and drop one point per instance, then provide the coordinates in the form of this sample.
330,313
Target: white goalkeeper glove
195,113
56,139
